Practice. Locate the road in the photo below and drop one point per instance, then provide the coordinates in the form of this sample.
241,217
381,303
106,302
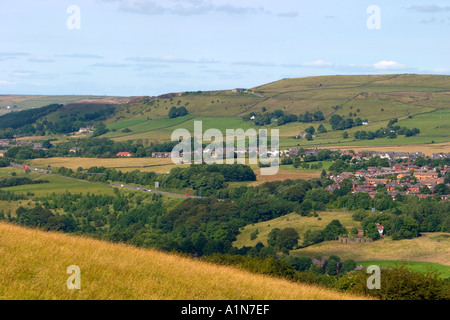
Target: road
21,166
119,185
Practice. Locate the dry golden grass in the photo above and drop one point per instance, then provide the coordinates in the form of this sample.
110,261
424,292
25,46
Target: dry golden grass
284,174
293,220
158,165
33,265
424,249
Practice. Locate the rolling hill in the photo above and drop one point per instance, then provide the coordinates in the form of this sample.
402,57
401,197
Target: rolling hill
416,101
421,101
34,266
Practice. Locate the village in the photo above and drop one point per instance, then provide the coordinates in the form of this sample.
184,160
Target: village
403,178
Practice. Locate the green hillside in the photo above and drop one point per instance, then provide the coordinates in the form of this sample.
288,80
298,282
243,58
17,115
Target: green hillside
414,100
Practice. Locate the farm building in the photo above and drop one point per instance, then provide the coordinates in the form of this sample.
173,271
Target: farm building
124,154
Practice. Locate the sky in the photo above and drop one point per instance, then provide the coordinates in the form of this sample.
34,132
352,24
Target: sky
152,47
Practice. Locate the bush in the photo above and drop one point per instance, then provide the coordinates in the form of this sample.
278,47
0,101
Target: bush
398,283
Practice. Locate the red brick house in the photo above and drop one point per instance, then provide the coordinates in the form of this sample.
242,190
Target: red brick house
124,154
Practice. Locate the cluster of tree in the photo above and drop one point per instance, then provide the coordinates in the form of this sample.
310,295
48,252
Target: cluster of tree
339,123
25,152
266,118
45,219
207,179
100,129
427,161
12,196
203,179
331,232
18,181
16,120
310,117
283,240
92,148
390,133
296,162
344,164
4,163
33,121
105,175
175,112
397,283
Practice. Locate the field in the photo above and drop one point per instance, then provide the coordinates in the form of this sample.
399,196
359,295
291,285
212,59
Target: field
427,149
161,130
161,166
34,265
158,165
60,184
423,249
420,101
299,223
430,249
444,271
24,102
415,100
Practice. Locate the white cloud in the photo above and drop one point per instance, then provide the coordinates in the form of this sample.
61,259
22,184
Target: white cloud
290,14
6,83
110,65
317,64
255,63
184,7
388,65
21,74
79,55
170,59
429,8
41,60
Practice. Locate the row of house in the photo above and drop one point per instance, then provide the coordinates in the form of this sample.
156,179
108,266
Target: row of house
367,154
6,143
367,181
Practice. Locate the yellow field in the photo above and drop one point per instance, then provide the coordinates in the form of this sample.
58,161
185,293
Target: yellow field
34,263
424,249
284,174
300,223
158,165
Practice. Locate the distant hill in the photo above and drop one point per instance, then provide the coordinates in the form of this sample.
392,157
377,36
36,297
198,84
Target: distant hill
413,101
34,265
421,101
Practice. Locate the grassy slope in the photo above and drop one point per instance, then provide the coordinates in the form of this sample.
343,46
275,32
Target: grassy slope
59,184
425,98
34,266
299,223
416,100
431,248
24,102
414,265
426,249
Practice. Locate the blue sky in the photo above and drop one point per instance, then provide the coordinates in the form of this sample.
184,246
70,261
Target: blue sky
151,47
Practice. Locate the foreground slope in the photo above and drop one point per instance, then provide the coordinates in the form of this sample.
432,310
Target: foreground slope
33,265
